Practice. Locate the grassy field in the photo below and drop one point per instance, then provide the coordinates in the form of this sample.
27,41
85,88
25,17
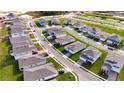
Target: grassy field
66,77
102,16
57,66
76,56
3,32
37,23
8,66
121,75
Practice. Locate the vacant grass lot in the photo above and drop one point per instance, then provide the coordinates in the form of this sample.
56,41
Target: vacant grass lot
103,16
8,66
121,75
66,77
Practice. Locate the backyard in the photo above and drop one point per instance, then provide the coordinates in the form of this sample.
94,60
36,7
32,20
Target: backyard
8,66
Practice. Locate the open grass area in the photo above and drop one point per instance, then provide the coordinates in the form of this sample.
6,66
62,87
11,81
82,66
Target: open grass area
38,47
34,40
3,32
102,16
57,66
121,75
76,56
37,23
8,66
66,77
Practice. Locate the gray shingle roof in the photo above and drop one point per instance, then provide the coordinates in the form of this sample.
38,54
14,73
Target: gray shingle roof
39,72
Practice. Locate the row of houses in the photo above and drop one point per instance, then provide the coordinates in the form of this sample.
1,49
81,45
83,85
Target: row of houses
111,39
33,64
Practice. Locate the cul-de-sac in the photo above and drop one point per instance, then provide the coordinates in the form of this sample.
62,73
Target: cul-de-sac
62,46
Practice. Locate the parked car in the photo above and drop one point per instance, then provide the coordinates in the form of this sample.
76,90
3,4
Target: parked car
61,72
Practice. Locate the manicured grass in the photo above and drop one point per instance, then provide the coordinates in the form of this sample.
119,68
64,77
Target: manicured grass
38,47
61,48
66,77
3,32
76,56
57,66
37,23
102,16
8,66
121,75
34,40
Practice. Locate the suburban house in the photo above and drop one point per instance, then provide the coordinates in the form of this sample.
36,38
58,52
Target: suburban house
69,22
31,61
55,21
114,40
74,47
102,36
40,73
78,26
90,55
84,29
23,51
43,22
17,29
112,66
54,33
92,32
20,41
64,40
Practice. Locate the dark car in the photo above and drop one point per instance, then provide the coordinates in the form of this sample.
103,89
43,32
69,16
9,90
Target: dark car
110,48
61,72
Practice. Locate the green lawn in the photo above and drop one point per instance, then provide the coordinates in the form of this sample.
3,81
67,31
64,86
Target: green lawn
37,23
4,32
57,66
121,75
8,66
102,16
66,77
34,40
76,56
38,47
